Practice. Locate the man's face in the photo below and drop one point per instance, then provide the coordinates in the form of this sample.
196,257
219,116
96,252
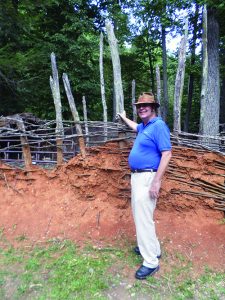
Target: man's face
145,111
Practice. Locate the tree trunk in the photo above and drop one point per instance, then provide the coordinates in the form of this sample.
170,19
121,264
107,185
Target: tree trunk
164,109
116,68
133,101
75,114
222,106
179,84
222,96
211,102
158,83
54,83
191,77
152,77
204,69
15,4
102,83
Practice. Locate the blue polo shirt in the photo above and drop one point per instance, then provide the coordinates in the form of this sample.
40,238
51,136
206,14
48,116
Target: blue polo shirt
151,140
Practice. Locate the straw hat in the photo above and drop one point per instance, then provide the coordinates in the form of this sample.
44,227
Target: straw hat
147,98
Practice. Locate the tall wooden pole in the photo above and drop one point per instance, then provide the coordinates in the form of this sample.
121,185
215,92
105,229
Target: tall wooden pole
118,88
75,114
54,84
102,83
85,119
24,141
133,100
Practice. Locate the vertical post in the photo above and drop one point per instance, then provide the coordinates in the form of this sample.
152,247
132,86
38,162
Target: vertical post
24,141
54,83
102,83
118,88
85,120
116,68
133,100
75,114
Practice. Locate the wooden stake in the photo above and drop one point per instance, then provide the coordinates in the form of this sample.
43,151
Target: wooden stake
24,141
133,101
102,83
54,83
85,119
118,88
75,114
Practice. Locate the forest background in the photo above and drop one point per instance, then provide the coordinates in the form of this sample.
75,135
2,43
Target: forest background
32,30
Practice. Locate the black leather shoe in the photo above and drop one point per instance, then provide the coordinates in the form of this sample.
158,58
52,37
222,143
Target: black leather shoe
144,272
137,251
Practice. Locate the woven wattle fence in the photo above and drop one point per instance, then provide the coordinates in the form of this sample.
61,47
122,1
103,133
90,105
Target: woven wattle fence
41,137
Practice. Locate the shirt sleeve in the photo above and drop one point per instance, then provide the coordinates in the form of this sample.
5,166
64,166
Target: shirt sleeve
139,127
162,137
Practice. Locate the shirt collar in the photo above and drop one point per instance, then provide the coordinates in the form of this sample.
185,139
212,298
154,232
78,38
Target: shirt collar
152,121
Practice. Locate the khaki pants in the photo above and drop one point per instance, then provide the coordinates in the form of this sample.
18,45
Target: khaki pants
143,209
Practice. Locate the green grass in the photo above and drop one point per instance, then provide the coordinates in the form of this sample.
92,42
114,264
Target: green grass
61,270
222,222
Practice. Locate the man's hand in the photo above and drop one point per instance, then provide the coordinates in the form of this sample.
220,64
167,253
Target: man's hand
157,180
154,189
122,115
130,123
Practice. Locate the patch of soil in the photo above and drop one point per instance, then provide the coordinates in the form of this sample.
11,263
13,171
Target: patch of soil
89,200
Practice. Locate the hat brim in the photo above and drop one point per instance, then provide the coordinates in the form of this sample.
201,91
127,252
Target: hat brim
150,103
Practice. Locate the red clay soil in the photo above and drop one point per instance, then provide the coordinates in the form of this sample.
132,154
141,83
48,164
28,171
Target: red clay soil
89,200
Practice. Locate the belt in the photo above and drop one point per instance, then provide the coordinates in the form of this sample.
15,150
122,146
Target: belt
142,170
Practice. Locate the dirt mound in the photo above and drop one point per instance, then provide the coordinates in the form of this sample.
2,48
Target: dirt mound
90,200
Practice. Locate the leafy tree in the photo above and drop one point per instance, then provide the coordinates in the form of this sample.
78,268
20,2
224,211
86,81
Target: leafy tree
154,20
31,30
57,26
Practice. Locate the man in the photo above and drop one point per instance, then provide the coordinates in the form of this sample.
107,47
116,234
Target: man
148,161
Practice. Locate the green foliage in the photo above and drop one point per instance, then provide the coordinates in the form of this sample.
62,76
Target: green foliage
31,30
25,60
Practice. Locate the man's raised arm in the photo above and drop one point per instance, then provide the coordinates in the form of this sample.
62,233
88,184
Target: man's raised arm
133,125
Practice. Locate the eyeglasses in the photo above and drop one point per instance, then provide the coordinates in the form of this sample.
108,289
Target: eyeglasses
143,105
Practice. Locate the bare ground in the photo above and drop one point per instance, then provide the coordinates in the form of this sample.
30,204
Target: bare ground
89,200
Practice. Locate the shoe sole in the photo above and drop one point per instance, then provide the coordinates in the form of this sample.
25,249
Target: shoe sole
141,278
